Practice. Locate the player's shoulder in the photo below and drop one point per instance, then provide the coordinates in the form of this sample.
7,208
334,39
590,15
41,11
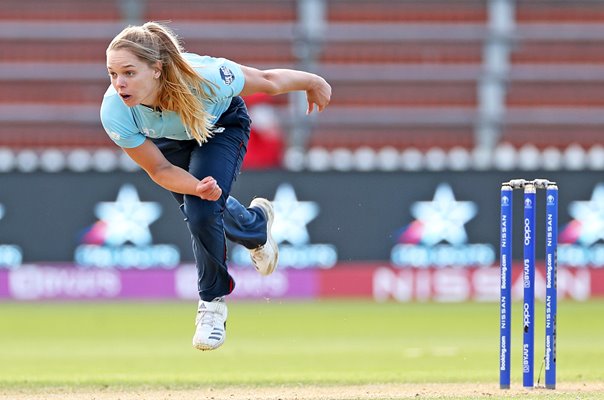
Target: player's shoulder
112,104
223,72
208,65
196,60
111,97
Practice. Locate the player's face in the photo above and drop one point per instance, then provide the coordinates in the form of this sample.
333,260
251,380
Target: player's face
133,79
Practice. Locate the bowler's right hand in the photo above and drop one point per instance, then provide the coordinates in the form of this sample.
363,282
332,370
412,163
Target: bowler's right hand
208,189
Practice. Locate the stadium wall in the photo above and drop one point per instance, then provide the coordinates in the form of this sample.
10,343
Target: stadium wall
401,236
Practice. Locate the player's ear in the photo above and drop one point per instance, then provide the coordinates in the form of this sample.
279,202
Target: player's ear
157,68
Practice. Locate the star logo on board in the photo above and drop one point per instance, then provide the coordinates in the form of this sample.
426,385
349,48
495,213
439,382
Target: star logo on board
127,219
290,231
292,216
121,237
441,219
587,227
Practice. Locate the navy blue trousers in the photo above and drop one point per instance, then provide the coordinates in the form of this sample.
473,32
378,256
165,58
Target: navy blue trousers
211,222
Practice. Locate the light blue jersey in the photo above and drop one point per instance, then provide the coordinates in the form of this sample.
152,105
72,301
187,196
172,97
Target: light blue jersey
129,126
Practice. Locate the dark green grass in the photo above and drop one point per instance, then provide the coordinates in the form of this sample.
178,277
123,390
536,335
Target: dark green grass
138,344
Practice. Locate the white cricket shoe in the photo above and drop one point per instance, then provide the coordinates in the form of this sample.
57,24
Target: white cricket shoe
265,257
210,331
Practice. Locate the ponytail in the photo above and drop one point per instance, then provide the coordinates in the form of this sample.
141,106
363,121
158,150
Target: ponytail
182,90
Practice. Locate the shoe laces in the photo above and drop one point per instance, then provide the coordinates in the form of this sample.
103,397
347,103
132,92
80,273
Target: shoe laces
206,316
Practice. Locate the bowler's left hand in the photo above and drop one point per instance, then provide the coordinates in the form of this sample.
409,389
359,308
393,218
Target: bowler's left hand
319,94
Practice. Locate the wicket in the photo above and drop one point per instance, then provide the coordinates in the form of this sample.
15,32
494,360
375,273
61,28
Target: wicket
528,307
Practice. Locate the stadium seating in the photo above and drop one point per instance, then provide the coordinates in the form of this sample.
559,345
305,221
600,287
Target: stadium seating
404,73
555,95
52,72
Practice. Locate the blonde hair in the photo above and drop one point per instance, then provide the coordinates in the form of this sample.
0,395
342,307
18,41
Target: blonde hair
181,88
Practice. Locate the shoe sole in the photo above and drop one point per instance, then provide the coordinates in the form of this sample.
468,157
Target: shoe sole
270,217
207,347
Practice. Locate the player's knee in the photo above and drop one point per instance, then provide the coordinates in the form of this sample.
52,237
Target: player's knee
202,215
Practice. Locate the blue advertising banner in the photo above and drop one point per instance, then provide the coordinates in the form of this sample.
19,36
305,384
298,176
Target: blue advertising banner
410,220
